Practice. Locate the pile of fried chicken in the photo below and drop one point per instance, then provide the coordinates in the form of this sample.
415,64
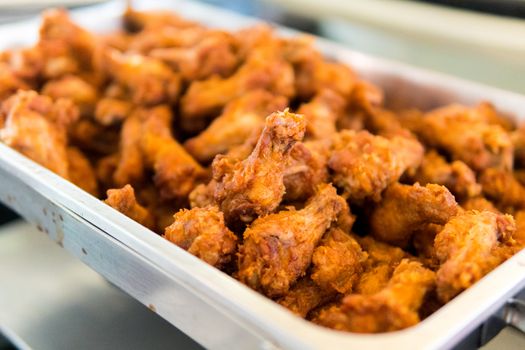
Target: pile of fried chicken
264,159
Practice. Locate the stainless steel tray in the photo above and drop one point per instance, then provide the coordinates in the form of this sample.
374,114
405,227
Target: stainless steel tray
206,304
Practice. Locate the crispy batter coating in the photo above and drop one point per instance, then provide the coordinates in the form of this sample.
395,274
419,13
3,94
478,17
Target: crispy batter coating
83,94
111,111
93,137
124,200
254,187
480,204
202,232
466,135
36,126
278,248
455,176
337,262
305,296
394,307
364,165
470,246
130,168
519,235
176,172
404,209
236,123
502,187
322,113
264,69
148,80
80,171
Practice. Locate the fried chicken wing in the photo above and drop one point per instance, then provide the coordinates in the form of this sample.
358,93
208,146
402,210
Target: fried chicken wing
110,111
148,80
278,248
83,94
130,167
466,135
363,165
470,246
36,126
176,172
394,307
202,232
236,123
406,208
124,200
254,187
322,113
503,188
337,261
305,296
455,176
264,69
80,171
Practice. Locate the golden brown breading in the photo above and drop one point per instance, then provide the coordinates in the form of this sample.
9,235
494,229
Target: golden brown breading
278,248
93,137
149,81
80,171
124,200
305,296
202,232
83,94
176,172
322,113
502,187
254,187
456,176
337,261
394,307
364,165
404,209
236,123
264,69
130,167
470,246
213,55
466,135
9,82
480,204
307,169
36,126
110,111
519,235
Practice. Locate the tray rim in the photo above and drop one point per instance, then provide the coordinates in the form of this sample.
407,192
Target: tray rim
439,330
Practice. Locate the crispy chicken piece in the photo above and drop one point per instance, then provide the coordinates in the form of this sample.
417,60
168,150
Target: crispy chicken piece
176,172
148,80
308,169
236,123
83,94
80,171
470,246
502,187
364,165
278,248
104,170
110,111
491,115
480,204
202,232
519,235
36,126
130,167
213,55
9,82
423,243
322,113
92,137
124,200
65,47
264,69
394,307
455,176
254,187
337,261
305,296
466,135
404,209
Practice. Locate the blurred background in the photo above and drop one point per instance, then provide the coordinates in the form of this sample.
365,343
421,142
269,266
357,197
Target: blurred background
481,40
